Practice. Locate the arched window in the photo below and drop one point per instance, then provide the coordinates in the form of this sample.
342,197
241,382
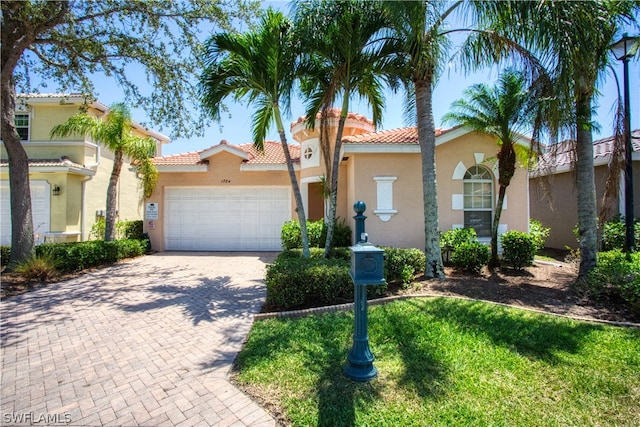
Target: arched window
478,200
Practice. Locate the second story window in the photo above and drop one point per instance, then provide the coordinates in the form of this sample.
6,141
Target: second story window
22,126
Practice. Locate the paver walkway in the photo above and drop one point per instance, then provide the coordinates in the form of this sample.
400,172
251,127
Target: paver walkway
146,342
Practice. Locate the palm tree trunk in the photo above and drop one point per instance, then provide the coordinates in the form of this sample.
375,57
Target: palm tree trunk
302,218
506,170
112,194
586,188
333,196
22,240
427,139
494,227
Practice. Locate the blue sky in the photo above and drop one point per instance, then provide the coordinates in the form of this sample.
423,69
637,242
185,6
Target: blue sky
236,129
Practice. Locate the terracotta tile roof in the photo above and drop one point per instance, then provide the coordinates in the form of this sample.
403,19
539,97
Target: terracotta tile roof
272,154
62,161
334,113
190,158
407,135
562,154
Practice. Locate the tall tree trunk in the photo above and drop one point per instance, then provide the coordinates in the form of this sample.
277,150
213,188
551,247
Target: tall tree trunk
16,36
494,227
22,240
506,170
112,195
586,188
302,218
427,139
333,196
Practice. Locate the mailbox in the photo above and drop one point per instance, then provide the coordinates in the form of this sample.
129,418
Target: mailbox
367,264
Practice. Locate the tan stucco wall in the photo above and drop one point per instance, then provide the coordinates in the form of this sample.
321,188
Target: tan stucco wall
406,228
515,216
223,171
554,203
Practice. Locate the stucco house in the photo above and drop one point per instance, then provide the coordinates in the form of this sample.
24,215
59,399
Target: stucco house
233,197
553,191
69,176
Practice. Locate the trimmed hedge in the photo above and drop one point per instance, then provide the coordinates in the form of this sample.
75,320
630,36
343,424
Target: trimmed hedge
403,265
76,256
294,282
317,232
617,276
5,254
518,249
471,256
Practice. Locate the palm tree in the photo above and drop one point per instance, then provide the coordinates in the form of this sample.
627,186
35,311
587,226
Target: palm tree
419,37
574,40
502,112
114,132
257,66
342,57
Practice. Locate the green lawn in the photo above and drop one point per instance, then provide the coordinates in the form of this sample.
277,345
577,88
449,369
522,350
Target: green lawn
447,362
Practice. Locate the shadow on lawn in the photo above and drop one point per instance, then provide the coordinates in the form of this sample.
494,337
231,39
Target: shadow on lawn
529,334
413,341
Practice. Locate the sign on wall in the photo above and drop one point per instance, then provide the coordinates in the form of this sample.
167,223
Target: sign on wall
151,211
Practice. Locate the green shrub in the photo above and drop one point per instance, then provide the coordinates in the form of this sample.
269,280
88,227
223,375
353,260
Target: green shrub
518,249
451,239
77,256
296,282
614,233
401,265
39,268
538,233
471,256
317,232
131,229
5,255
616,276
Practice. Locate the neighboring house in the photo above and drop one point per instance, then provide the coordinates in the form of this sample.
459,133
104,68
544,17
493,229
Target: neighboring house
69,176
232,197
553,190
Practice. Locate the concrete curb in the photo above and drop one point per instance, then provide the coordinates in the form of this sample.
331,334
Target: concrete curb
379,301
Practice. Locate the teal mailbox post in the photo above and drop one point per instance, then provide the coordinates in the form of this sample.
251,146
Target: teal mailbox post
367,269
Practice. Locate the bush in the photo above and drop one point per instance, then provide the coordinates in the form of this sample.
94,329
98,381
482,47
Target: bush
471,256
538,233
39,268
451,239
124,230
614,233
518,249
616,276
5,254
131,229
317,232
401,265
77,256
297,282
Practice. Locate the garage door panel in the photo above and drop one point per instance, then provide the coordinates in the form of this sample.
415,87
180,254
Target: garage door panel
231,219
40,209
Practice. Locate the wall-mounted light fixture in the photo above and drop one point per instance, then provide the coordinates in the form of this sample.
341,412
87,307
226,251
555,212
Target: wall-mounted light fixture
56,190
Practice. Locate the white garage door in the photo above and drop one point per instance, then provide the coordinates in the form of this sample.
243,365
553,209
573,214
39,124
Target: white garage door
225,219
40,206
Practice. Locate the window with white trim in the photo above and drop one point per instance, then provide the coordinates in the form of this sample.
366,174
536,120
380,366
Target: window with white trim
22,126
478,200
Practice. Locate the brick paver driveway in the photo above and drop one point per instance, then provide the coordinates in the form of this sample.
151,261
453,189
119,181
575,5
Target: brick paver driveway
146,342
